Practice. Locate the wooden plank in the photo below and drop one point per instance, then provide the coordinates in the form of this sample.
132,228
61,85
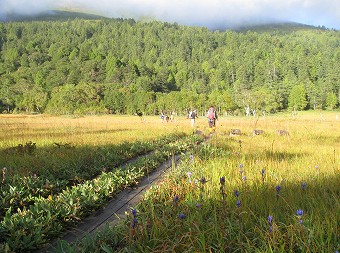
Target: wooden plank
114,209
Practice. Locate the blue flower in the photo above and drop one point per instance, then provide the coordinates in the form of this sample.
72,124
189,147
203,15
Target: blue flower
198,205
304,185
134,223
182,216
236,193
263,171
299,212
270,219
278,188
238,203
222,180
241,165
134,212
176,198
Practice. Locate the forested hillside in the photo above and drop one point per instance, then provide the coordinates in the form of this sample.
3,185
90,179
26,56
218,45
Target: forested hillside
122,66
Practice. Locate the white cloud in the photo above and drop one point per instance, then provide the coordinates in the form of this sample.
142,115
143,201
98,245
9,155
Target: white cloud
196,12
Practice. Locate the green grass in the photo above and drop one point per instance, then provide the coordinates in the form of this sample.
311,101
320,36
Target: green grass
274,176
184,214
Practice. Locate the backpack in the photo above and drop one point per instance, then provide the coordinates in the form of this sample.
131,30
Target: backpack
211,113
190,115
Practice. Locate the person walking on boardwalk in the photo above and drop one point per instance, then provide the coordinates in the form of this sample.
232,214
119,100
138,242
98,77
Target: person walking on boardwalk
212,117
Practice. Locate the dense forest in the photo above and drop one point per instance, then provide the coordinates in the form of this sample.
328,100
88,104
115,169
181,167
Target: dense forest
122,66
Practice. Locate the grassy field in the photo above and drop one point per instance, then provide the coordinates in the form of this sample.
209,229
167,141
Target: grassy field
83,136
242,193
57,170
89,130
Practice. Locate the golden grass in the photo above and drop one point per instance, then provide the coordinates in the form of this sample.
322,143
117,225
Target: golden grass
311,148
87,130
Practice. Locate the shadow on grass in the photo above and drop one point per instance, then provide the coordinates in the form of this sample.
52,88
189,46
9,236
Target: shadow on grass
41,133
66,161
305,217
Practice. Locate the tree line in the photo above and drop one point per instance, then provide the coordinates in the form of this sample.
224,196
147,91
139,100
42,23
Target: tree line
122,66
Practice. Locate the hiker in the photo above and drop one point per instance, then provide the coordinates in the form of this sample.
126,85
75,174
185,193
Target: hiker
140,114
212,117
192,116
162,117
172,116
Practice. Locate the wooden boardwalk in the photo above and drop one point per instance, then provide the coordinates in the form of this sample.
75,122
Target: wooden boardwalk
114,210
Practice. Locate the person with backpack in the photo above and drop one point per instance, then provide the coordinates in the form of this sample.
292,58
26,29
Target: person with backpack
162,117
192,117
212,117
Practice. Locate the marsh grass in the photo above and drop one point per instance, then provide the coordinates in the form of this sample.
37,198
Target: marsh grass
82,130
60,141
288,191
294,179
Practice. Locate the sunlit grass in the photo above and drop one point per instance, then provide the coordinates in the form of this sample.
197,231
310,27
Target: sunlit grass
275,176
287,199
86,139
88,130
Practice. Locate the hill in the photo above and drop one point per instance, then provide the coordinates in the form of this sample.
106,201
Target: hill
61,15
123,66
53,15
278,27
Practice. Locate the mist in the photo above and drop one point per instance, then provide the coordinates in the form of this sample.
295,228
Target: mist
208,13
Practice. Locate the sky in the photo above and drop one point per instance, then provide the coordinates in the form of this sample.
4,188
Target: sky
208,13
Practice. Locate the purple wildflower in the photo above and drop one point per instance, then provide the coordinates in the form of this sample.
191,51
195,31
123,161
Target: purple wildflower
189,176
134,212
244,178
300,221
182,216
222,180
241,165
176,199
270,220
236,193
278,188
191,158
299,212
263,171
304,185
134,223
238,203
198,205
